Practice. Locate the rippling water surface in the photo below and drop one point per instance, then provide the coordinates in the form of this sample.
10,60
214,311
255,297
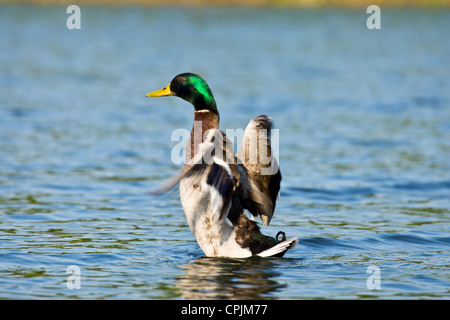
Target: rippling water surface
364,120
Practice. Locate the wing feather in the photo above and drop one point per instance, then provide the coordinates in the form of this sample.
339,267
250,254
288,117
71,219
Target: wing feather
259,174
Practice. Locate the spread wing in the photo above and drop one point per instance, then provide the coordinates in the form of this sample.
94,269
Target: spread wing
253,175
259,174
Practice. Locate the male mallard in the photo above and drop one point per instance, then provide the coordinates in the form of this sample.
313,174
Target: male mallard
216,186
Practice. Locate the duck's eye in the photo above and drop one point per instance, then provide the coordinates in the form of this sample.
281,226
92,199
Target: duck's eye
180,80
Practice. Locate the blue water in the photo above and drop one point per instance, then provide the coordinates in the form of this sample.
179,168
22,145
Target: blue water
364,120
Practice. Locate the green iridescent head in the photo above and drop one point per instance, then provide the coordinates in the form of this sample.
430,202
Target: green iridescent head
192,88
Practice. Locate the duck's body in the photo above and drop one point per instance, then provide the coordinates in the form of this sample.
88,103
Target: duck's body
214,235
216,186
202,202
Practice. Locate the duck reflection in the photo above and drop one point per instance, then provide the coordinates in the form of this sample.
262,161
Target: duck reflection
224,278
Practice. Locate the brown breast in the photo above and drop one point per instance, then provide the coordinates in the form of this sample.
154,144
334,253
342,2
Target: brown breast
203,121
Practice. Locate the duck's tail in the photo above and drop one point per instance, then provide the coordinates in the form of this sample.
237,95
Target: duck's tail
279,249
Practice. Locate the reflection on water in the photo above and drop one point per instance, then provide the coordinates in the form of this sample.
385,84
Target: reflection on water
220,278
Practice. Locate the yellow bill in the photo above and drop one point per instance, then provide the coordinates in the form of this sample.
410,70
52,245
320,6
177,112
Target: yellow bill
161,93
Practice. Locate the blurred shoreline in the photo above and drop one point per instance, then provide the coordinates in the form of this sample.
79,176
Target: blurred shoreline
251,3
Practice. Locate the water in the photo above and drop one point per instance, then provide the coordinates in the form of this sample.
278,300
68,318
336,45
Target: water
364,119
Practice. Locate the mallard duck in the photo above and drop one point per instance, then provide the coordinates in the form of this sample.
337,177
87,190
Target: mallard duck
216,186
